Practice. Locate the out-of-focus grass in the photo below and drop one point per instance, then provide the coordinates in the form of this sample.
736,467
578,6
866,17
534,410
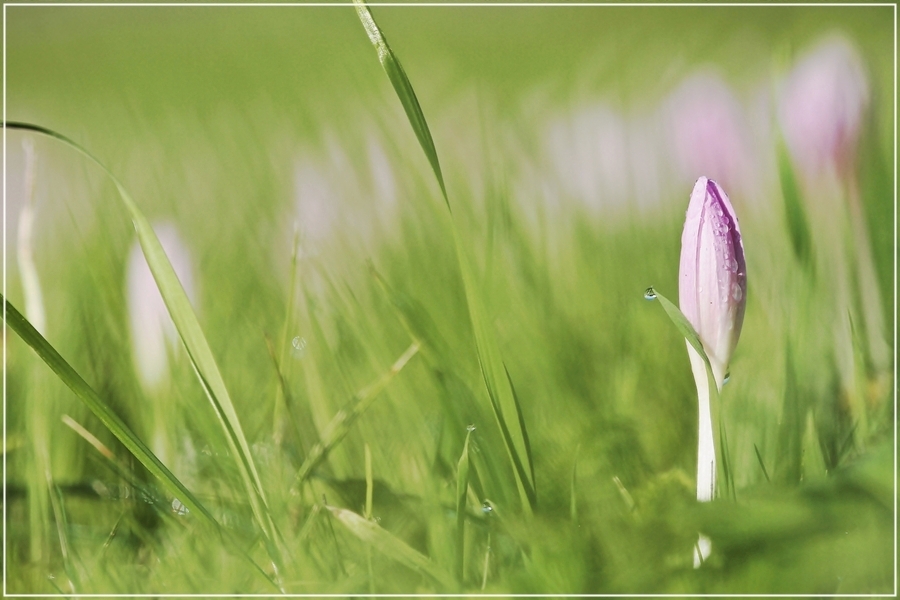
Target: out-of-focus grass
217,118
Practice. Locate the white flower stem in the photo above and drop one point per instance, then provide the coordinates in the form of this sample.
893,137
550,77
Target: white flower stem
706,446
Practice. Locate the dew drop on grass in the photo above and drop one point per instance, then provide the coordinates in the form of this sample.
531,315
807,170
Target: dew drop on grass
178,508
650,293
727,378
486,508
299,346
470,428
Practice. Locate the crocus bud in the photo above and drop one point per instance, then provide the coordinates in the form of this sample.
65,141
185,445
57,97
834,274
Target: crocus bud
712,290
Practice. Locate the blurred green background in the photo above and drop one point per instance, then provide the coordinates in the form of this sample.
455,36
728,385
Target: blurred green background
249,128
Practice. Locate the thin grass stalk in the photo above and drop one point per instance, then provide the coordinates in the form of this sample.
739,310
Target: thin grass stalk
462,487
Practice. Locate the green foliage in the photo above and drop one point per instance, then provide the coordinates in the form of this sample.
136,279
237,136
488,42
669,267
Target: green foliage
355,351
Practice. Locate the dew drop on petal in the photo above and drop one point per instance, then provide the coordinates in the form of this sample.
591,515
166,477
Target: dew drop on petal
736,292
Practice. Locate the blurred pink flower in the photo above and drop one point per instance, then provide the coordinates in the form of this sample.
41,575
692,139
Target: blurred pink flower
705,120
821,106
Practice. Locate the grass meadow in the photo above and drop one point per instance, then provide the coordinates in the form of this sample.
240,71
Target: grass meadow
380,384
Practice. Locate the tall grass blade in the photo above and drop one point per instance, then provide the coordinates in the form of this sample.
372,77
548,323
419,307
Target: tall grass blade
503,402
795,215
390,546
404,90
195,343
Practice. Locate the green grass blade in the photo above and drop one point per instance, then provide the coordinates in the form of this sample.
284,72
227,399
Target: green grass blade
404,90
370,483
789,464
194,341
62,530
573,487
390,546
101,410
795,215
762,465
462,489
685,328
503,402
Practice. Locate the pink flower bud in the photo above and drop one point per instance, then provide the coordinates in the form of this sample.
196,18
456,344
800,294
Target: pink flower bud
712,290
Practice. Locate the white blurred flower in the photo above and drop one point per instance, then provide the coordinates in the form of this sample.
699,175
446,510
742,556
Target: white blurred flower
821,106
587,156
342,197
153,335
317,205
384,183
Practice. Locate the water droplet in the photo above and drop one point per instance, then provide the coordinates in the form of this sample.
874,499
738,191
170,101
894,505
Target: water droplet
487,508
727,378
731,264
650,293
299,346
736,292
470,428
178,508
